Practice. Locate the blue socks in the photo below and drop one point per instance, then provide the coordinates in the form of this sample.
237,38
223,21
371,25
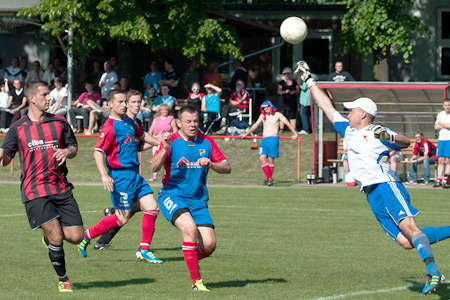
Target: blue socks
422,245
436,234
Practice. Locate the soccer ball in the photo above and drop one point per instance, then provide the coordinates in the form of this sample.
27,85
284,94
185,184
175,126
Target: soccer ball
293,30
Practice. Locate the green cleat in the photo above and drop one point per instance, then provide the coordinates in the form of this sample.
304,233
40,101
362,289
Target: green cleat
200,287
82,247
433,281
64,286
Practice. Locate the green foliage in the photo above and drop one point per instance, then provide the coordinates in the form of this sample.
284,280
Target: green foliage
378,25
181,24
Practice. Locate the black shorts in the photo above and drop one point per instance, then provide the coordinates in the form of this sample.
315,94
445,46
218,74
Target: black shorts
289,112
63,207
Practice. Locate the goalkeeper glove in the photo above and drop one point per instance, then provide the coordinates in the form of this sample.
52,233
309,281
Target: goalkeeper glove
303,72
381,133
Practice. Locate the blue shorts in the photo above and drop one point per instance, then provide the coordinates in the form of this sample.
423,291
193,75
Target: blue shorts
173,206
390,204
443,149
269,146
129,187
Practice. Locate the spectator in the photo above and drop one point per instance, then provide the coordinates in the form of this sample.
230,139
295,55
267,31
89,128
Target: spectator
424,152
339,75
211,106
79,78
60,71
49,74
212,76
238,101
190,77
59,99
107,80
16,102
97,110
14,71
195,98
36,73
124,84
288,90
268,151
82,107
443,147
2,71
96,73
161,124
239,73
305,107
24,66
152,78
115,65
4,95
165,98
146,105
170,77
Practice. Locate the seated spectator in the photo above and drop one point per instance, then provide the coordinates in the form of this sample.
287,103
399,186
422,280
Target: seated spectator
49,75
424,152
24,67
82,107
211,106
59,99
96,73
195,98
14,71
165,98
146,105
170,77
16,102
124,84
161,124
97,110
109,77
238,101
152,78
36,73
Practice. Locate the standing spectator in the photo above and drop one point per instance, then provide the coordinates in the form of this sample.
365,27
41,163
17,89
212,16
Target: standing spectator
165,98
59,99
184,197
14,71
443,147
17,101
79,78
60,71
36,73
24,66
195,98
305,107
190,77
82,107
152,78
339,75
288,90
212,76
424,152
96,73
239,73
268,151
146,105
117,161
46,193
170,78
107,80
49,74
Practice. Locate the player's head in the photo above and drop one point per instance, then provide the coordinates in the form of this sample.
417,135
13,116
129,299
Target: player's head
38,95
446,105
188,121
418,136
134,100
117,102
362,112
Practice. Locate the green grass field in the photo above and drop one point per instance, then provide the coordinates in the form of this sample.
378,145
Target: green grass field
273,243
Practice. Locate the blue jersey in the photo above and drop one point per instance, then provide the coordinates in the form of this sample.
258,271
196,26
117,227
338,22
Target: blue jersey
118,141
184,177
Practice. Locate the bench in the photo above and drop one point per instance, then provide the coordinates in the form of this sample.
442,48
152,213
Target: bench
340,152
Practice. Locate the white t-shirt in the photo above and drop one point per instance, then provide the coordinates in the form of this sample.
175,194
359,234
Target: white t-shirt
108,78
4,97
55,96
368,157
444,133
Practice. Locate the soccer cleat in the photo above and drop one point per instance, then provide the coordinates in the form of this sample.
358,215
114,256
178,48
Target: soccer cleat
433,281
270,182
445,185
109,211
265,182
200,287
147,256
98,246
64,286
45,240
82,247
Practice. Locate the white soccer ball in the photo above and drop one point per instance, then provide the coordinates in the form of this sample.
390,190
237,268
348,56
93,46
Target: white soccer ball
293,30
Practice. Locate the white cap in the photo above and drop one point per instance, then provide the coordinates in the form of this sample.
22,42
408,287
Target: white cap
286,70
365,104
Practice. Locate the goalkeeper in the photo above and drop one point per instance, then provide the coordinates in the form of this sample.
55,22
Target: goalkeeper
368,156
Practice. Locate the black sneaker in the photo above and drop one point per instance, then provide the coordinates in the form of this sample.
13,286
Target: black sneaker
109,211
445,185
98,246
266,182
270,182
437,184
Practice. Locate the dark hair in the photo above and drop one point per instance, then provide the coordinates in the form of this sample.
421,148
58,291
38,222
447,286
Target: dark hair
59,80
32,87
188,108
418,132
112,93
133,93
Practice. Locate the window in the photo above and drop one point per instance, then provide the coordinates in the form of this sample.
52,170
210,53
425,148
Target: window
443,44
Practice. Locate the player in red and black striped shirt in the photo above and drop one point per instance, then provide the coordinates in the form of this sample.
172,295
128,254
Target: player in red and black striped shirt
44,142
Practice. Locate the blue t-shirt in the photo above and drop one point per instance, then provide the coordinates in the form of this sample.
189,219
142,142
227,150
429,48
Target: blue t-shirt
212,103
169,100
152,79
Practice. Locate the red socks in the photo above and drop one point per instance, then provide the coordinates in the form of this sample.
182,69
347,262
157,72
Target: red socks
148,228
266,170
200,253
271,167
190,257
105,225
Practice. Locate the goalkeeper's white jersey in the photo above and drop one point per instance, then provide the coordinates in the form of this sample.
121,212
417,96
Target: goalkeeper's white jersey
368,157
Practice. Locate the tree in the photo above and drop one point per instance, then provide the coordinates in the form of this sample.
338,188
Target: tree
376,26
181,24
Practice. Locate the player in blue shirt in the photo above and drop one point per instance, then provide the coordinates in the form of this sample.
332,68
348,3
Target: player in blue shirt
368,157
183,198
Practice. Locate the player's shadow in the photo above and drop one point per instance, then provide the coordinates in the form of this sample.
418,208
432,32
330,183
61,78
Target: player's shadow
110,284
443,289
242,283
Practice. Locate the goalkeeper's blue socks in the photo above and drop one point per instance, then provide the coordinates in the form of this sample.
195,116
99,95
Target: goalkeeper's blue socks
436,234
423,247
